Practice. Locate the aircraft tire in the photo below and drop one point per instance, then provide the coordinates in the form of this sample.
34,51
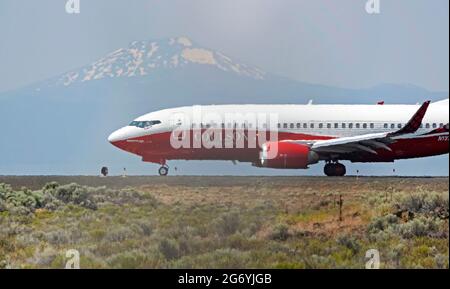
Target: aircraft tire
335,170
163,171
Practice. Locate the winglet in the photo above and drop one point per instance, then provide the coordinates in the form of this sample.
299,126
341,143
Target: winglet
414,123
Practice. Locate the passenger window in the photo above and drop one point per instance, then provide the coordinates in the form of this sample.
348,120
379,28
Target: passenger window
358,125
427,125
299,125
305,125
320,125
285,125
386,125
364,125
372,125
343,125
350,125
292,126
328,125
434,125
399,125
312,125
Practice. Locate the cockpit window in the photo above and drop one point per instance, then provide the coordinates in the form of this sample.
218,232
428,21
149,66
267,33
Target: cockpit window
144,124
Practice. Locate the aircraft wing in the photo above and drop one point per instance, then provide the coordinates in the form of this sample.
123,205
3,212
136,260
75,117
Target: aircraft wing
370,142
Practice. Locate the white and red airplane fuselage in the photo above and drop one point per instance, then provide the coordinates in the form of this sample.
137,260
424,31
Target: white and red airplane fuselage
289,136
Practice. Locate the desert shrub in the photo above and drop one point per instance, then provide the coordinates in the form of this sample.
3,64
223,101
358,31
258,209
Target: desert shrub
22,201
120,234
380,227
26,240
228,223
4,264
75,194
241,242
51,197
419,227
349,242
383,228
394,254
318,262
441,261
264,206
128,260
429,203
43,258
57,237
97,234
143,227
7,245
3,207
280,232
54,197
224,258
169,248
123,196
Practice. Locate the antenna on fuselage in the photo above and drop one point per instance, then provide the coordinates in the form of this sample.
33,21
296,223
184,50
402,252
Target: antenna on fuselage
310,102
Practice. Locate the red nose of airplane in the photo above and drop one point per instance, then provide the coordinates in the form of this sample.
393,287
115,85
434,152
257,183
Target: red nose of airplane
122,139
114,137
118,138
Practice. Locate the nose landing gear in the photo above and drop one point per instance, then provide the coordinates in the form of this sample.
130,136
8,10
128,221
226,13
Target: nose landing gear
334,169
163,171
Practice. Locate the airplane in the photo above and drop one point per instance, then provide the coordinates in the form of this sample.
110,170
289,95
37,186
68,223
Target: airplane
296,137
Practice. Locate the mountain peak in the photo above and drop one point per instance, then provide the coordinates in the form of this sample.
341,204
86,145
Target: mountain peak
145,58
184,41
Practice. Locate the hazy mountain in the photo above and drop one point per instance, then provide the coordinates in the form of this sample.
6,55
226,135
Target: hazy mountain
61,125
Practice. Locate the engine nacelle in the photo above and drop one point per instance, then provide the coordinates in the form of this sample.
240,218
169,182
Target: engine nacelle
287,155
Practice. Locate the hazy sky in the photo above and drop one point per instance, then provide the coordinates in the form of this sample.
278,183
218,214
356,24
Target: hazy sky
320,41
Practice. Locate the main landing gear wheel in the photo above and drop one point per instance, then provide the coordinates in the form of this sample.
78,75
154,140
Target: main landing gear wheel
163,171
335,170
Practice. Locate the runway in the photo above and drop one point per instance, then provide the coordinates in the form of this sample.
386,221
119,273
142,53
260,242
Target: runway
37,182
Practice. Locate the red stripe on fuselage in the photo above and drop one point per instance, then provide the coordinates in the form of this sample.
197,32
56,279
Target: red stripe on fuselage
157,148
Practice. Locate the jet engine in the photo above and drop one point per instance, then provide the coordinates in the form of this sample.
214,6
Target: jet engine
287,155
